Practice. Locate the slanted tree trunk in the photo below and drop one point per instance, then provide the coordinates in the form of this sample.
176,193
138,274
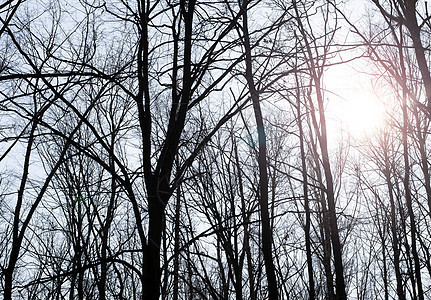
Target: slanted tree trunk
335,237
393,226
311,290
320,128
245,217
262,163
406,179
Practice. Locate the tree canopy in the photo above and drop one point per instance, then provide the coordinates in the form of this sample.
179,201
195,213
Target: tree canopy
173,149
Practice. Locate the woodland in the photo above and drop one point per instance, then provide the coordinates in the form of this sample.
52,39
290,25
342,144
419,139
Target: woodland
188,149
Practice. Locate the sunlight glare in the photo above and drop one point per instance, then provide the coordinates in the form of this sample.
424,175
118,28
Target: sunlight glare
361,115
355,109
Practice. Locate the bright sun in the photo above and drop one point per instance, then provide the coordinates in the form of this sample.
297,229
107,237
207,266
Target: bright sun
362,115
354,109
358,116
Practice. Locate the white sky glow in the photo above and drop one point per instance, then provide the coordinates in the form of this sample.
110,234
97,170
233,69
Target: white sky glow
355,109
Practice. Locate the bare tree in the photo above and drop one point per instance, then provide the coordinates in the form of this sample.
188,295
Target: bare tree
316,66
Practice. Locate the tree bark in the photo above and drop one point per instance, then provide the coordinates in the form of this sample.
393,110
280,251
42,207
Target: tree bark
395,242
311,290
262,163
406,179
323,142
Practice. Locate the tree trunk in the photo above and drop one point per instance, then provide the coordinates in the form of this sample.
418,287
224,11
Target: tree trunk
152,272
406,180
311,290
323,142
263,172
245,220
177,244
393,226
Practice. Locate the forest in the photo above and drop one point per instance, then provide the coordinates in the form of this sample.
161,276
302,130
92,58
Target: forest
226,149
